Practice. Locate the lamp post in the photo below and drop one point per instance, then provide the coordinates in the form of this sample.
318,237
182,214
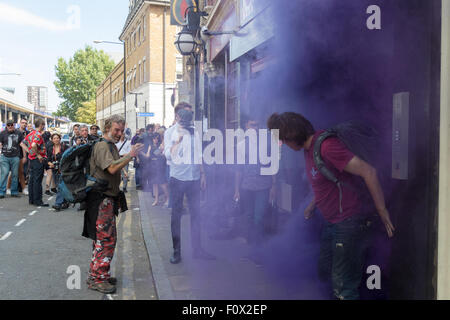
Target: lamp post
124,72
136,94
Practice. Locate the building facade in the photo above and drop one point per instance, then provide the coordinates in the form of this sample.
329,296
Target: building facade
151,69
38,97
320,73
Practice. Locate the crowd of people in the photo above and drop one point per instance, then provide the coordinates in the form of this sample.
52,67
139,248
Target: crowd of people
156,152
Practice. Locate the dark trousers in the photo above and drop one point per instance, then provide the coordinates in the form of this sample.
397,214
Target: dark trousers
342,249
137,175
255,205
192,191
35,183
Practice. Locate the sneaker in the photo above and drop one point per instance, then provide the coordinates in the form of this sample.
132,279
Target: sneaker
42,205
103,287
25,191
54,190
57,208
47,192
176,257
8,192
111,280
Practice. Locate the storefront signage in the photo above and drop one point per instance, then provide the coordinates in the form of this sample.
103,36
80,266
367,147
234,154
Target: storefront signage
178,10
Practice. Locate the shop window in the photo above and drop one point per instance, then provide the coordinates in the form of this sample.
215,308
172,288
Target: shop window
232,100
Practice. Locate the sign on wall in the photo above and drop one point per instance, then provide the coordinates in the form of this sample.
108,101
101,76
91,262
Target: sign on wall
178,10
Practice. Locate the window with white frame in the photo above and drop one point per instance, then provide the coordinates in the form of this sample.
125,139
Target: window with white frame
145,28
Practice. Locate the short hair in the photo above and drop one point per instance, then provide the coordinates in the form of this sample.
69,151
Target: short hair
150,126
55,134
293,127
23,120
94,126
113,119
83,126
182,105
76,126
38,122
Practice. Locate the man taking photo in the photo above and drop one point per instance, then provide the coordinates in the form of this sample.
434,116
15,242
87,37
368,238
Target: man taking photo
10,140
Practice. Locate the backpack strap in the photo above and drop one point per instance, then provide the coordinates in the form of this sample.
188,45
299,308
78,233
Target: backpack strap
320,164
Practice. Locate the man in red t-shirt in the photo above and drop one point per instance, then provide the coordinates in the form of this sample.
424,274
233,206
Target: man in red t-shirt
34,142
341,252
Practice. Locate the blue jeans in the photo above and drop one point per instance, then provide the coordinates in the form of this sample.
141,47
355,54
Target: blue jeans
59,197
342,249
7,165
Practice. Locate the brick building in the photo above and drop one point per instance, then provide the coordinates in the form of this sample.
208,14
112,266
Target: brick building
151,68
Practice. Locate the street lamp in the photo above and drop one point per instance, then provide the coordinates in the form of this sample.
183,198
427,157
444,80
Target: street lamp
124,71
136,94
185,42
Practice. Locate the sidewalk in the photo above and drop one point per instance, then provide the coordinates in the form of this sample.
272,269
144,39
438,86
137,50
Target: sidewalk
231,276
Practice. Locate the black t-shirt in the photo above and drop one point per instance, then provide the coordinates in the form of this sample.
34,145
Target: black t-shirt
11,143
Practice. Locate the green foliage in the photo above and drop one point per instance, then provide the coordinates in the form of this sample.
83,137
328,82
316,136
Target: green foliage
79,78
87,113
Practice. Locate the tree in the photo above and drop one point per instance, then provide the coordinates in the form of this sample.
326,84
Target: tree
88,112
79,78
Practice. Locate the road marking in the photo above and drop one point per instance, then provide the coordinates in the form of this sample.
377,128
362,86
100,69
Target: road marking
6,236
20,222
32,213
127,258
109,297
50,198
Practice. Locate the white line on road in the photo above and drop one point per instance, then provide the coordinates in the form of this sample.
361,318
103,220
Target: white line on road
6,236
109,297
20,222
50,198
32,213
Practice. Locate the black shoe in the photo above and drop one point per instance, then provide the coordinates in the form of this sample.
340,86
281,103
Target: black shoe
54,191
47,192
42,205
176,257
125,190
203,255
138,188
65,206
57,208
2,197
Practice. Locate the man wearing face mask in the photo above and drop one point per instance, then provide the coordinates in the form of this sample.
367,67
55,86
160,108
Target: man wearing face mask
103,206
185,179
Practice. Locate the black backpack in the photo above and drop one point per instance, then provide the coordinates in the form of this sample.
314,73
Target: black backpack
76,180
360,139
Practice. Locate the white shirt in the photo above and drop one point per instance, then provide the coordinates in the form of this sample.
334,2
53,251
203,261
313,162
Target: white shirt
126,149
179,170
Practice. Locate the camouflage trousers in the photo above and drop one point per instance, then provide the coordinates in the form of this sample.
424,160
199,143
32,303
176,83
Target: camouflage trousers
103,248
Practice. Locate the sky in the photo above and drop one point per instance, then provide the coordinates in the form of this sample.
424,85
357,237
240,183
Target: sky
34,34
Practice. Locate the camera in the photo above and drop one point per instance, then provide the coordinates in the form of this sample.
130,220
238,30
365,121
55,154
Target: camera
56,165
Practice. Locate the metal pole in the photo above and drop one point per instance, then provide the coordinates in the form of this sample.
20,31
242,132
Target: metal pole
164,67
125,79
136,106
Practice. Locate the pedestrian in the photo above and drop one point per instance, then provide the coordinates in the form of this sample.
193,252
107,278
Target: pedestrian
143,158
185,179
36,155
343,236
10,140
23,164
84,134
93,133
75,135
100,217
254,191
49,181
124,147
54,155
158,169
